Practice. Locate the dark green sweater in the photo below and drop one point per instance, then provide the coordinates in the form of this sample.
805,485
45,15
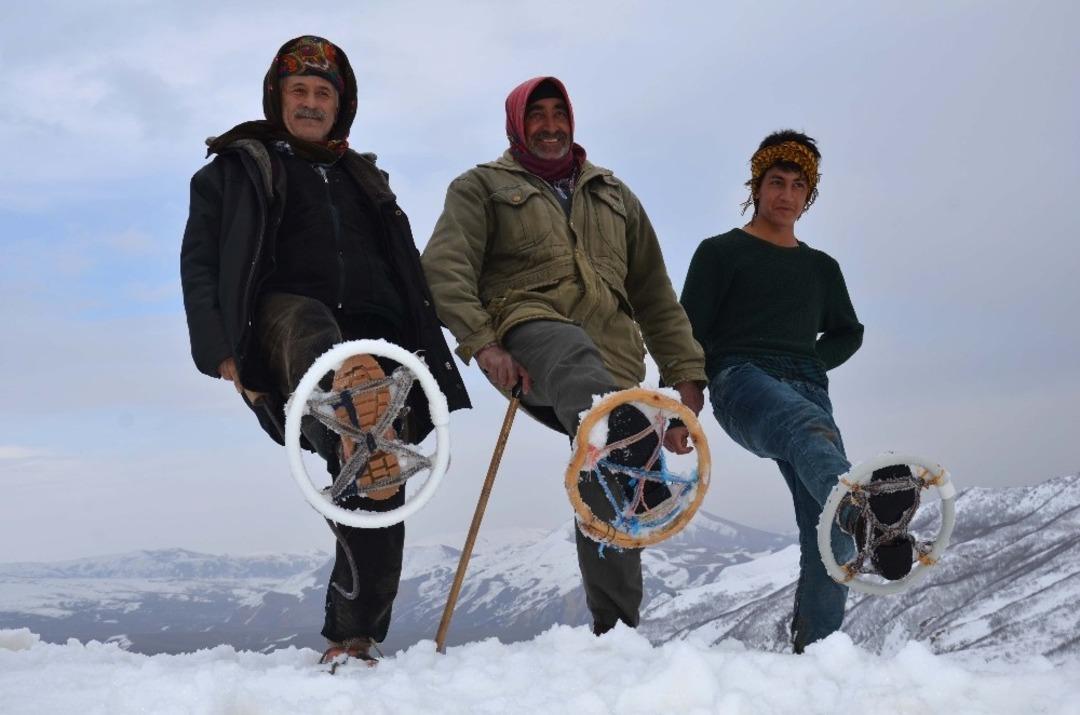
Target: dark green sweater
746,296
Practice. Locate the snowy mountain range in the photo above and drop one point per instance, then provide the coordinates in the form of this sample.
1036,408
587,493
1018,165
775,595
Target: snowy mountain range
1007,585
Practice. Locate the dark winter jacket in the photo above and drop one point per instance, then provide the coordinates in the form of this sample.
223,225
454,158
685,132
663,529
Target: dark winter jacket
330,244
236,206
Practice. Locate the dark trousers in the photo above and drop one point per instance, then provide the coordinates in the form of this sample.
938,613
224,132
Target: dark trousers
567,372
293,331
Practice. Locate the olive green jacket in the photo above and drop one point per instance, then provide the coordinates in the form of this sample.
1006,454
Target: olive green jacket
503,253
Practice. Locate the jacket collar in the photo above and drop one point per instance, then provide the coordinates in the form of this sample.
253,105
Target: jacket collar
361,166
506,162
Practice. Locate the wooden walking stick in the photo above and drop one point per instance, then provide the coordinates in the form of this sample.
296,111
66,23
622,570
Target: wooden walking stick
478,515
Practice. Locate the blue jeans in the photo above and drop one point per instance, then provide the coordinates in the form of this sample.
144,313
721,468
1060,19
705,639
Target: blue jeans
790,422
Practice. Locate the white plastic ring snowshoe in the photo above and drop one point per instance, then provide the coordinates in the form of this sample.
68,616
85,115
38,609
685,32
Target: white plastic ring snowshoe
928,474
310,399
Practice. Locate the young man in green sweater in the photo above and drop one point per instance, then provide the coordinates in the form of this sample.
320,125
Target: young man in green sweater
773,315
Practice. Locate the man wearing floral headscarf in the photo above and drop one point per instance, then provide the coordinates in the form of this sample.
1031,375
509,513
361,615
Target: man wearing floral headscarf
294,243
547,271
773,314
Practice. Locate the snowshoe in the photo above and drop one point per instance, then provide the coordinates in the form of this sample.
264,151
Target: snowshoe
366,415
876,503
623,491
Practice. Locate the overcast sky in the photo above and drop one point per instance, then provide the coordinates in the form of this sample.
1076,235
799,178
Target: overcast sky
949,195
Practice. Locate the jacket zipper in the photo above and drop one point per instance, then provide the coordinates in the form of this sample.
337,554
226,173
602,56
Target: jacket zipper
335,219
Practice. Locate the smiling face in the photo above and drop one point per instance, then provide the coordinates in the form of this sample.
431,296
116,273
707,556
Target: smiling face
781,199
309,107
547,128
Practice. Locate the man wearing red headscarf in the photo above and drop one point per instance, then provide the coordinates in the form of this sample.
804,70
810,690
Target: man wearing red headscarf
546,269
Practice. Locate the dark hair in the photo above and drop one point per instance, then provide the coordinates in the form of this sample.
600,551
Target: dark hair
779,137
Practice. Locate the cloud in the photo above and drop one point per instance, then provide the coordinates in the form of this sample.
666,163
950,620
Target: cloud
13,452
945,198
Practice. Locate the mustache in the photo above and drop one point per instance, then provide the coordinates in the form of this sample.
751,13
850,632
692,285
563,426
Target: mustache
309,113
562,136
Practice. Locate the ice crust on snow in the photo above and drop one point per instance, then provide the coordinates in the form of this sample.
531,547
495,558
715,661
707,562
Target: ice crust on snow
562,670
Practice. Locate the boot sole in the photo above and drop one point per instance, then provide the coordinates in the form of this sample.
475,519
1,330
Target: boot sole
890,507
370,406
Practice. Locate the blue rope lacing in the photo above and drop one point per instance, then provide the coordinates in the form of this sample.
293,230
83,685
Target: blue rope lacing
625,519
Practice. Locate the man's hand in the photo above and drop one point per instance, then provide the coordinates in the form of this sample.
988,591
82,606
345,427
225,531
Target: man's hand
677,440
691,395
502,369
227,370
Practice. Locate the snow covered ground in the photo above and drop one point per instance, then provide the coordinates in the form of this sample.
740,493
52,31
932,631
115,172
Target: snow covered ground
562,670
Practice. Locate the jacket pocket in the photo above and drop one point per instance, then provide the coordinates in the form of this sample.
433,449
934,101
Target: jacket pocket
609,219
522,219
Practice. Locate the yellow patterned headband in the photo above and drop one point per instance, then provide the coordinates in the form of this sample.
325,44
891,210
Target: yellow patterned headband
791,151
